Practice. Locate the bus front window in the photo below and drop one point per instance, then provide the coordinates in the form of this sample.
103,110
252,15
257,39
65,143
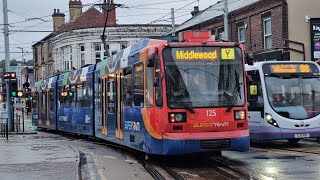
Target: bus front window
294,97
203,82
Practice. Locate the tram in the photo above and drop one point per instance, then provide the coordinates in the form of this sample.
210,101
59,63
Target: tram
283,100
156,97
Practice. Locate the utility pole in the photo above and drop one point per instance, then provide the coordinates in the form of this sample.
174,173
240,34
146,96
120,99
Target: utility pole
7,62
173,22
226,23
23,60
107,7
23,89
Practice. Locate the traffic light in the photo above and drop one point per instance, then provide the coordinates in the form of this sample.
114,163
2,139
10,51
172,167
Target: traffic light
9,75
14,87
20,94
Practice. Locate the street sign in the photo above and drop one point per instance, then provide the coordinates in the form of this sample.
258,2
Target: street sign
19,105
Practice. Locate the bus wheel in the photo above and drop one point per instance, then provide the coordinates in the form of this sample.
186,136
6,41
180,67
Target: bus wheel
293,141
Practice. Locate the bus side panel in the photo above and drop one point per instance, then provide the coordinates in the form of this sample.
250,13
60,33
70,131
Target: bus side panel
255,120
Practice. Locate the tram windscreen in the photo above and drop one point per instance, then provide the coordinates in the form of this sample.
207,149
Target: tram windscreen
204,77
293,89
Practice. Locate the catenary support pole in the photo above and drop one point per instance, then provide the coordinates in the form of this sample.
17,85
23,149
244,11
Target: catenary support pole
7,61
173,22
226,25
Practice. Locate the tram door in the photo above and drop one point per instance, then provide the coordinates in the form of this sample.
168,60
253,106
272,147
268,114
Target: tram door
44,107
47,107
40,108
119,107
104,105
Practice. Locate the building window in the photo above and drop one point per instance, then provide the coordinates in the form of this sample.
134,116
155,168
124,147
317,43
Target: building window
105,55
220,34
241,34
97,49
267,33
123,46
67,58
82,48
82,55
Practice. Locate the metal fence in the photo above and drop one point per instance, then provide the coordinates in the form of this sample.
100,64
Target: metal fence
18,123
4,128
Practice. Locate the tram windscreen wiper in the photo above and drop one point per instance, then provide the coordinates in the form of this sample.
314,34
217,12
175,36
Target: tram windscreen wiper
190,108
235,94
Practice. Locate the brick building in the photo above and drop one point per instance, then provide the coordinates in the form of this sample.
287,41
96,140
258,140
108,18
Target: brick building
270,29
78,42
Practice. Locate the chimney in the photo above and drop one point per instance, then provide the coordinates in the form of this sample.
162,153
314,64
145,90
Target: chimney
109,5
58,19
195,11
75,9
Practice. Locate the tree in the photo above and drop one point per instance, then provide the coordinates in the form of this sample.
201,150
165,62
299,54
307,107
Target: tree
30,63
13,62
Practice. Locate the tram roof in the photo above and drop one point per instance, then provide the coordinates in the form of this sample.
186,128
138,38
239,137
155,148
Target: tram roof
126,55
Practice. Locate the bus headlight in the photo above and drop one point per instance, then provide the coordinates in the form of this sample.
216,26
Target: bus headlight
270,120
240,115
177,117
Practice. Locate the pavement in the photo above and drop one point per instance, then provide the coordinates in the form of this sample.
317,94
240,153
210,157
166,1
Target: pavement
31,156
44,155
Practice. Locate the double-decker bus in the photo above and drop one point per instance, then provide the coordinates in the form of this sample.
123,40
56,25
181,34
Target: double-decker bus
284,100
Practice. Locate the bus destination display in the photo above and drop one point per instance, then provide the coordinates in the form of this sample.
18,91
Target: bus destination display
290,68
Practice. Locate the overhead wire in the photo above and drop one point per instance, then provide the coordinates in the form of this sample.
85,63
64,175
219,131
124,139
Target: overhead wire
167,2
143,14
174,11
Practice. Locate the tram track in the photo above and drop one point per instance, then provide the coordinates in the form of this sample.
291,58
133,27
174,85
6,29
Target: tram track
225,168
303,148
287,150
156,170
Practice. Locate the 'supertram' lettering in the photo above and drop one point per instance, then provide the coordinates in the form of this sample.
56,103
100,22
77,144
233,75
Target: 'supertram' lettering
191,55
215,124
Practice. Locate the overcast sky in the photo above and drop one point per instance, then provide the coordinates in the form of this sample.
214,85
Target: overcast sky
21,13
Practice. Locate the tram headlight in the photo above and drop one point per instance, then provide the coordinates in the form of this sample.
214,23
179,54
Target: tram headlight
177,117
270,120
240,115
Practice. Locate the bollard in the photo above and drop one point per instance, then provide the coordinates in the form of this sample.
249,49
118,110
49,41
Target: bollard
23,125
7,130
19,129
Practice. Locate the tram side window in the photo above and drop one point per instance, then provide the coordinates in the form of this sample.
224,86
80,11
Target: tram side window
39,103
51,101
127,87
99,95
86,94
72,96
111,95
60,100
159,97
79,96
138,82
35,100
44,105
255,102
149,88
66,97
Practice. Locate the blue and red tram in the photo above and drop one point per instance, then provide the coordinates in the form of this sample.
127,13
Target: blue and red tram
157,97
